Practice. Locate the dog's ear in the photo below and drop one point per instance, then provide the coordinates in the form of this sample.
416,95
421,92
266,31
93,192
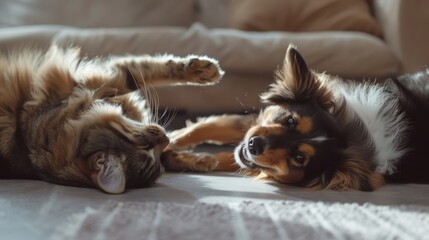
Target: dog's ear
295,69
355,175
296,82
351,174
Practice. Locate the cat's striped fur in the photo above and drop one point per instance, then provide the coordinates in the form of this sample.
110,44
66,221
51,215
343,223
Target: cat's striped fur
86,122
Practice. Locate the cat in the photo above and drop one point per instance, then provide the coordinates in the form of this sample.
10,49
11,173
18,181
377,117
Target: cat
86,122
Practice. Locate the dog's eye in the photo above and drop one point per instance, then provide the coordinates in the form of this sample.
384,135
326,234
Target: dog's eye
300,157
290,122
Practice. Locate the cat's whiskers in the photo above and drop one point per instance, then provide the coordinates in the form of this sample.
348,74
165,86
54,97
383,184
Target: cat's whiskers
155,99
170,117
151,97
145,92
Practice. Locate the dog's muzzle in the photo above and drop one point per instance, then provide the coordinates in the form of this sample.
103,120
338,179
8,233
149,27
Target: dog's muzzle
244,152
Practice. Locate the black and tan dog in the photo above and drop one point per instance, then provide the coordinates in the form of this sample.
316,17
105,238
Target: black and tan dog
319,131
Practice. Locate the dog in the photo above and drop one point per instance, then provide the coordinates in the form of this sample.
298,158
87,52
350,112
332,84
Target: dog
321,132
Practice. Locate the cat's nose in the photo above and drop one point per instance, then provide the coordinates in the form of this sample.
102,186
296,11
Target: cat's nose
158,136
256,145
163,141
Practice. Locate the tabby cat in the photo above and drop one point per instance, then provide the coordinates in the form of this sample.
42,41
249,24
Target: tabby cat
86,122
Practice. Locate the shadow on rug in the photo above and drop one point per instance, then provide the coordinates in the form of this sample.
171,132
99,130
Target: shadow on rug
246,220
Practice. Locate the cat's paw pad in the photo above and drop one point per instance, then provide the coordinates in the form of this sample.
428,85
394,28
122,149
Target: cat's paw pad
203,70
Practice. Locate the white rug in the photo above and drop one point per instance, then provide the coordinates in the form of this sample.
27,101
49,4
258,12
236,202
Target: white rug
247,220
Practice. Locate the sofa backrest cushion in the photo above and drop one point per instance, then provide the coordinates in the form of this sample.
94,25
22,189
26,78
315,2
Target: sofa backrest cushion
213,13
304,15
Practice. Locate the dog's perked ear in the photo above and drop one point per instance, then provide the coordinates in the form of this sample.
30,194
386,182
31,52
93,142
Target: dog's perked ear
296,69
295,82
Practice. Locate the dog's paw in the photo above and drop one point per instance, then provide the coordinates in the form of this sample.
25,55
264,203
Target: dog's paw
204,162
189,161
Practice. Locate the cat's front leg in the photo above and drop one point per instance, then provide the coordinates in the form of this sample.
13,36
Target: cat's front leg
169,70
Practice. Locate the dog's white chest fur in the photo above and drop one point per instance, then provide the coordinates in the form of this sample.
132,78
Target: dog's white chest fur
385,124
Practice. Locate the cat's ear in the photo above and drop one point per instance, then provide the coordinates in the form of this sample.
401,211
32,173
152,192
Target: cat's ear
109,174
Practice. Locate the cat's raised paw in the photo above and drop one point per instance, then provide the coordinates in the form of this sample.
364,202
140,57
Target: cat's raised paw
202,70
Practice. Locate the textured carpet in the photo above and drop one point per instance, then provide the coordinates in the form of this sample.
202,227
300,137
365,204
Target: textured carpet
247,220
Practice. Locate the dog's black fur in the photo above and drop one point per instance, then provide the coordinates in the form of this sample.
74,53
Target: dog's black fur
413,93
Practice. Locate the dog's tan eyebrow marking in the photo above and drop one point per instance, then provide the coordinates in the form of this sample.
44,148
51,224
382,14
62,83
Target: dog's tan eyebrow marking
307,149
309,152
265,116
305,124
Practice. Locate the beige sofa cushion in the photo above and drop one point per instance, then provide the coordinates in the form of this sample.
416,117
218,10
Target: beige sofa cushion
97,13
348,54
213,13
304,15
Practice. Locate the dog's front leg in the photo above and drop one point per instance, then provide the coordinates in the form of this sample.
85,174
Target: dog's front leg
222,129
198,162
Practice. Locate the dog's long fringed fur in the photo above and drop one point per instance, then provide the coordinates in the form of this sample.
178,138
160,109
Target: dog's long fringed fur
319,131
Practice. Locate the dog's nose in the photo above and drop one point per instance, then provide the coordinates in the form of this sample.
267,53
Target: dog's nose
256,145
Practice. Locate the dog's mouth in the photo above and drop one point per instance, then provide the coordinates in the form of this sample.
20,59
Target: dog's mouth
244,159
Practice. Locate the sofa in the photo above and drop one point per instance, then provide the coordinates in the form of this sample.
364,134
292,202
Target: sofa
230,31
